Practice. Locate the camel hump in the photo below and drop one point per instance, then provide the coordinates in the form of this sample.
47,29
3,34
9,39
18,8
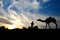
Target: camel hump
50,17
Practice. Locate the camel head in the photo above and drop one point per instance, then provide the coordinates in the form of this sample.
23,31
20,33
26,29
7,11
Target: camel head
38,19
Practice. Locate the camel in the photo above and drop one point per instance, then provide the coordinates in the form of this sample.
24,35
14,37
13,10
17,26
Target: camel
49,20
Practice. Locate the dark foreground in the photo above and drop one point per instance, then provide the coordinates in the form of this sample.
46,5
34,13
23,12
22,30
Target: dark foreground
30,29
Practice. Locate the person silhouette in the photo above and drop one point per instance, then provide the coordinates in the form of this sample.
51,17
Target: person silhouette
32,24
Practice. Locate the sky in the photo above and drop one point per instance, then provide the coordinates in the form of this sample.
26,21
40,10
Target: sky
25,11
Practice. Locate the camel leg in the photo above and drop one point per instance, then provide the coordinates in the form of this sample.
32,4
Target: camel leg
55,24
49,26
46,26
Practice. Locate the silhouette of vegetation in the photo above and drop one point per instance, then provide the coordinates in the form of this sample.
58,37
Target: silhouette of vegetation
31,28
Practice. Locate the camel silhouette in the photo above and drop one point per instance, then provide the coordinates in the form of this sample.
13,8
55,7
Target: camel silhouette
49,20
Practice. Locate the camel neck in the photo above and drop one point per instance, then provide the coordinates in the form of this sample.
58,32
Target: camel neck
42,20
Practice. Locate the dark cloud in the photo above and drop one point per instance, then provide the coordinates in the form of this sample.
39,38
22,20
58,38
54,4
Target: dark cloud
1,14
5,21
17,0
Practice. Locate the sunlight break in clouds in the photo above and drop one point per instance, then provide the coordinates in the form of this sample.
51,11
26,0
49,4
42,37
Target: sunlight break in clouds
24,17
19,21
23,5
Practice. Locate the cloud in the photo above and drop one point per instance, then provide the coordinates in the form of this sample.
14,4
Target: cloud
35,4
24,17
5,21
29,17
1,5
25,5
44,1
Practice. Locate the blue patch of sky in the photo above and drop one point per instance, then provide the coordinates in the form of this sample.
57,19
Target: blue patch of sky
52,7
14,8
6,4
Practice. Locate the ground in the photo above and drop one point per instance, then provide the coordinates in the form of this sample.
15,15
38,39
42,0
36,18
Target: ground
30,29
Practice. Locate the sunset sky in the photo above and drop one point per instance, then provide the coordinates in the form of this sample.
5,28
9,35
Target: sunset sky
20,13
